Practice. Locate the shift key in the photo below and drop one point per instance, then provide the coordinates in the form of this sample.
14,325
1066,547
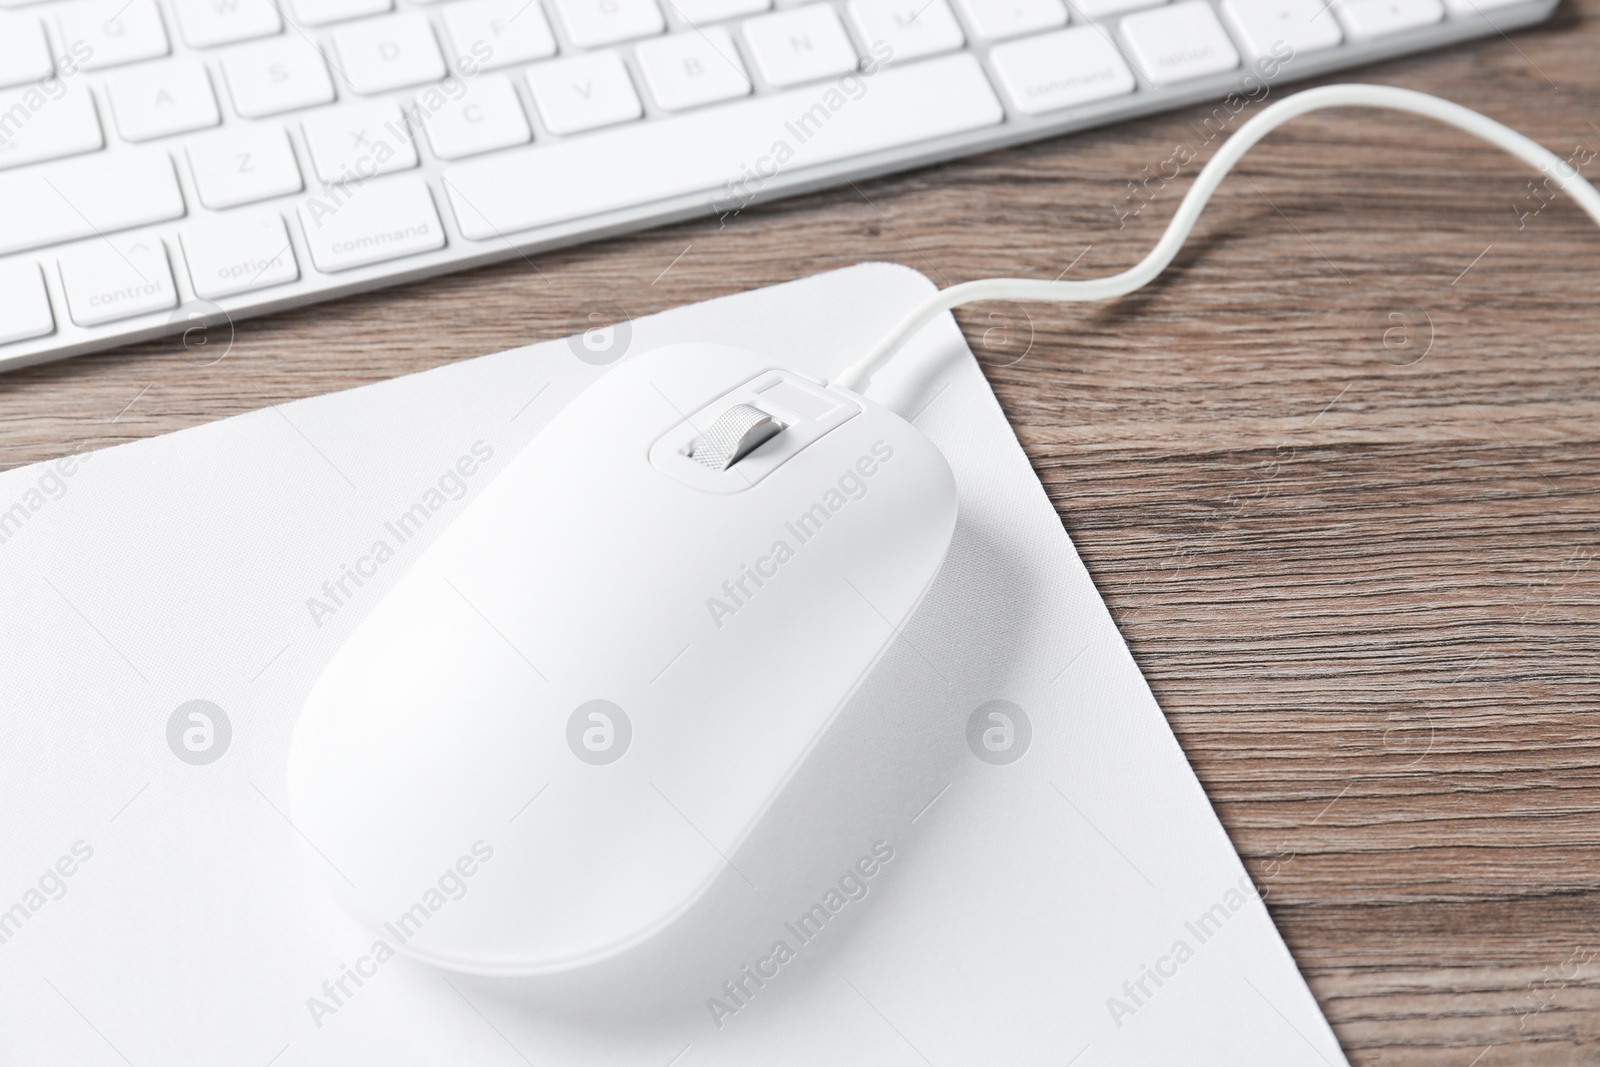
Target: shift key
356,225
62,202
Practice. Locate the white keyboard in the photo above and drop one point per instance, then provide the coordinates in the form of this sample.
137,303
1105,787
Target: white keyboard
167,159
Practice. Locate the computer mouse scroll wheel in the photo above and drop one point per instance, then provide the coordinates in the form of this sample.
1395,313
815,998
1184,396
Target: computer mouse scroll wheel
736,433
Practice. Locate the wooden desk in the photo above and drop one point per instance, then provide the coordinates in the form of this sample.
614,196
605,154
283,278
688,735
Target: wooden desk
1367,594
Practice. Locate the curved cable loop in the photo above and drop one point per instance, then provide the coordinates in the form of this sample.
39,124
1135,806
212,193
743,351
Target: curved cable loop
859,375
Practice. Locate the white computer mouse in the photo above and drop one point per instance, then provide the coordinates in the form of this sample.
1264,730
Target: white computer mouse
554,732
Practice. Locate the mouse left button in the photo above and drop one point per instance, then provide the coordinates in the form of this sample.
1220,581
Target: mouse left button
736,433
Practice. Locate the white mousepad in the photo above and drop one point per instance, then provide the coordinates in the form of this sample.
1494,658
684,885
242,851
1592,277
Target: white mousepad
1049,884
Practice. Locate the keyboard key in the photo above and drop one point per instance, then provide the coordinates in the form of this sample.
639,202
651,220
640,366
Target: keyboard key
912,28
1461,8
706,151
383,54
109,33
380,221
1174,44
506,31
700,12
1100,8
37,128
801,45
1302,25
243,164
271,77
583,92
82,197
322,12
25,312
208,23
593,23
117,278
1376,18
690,69
999,19
486,117
160,99
358,141
238,254
24,52
1061,69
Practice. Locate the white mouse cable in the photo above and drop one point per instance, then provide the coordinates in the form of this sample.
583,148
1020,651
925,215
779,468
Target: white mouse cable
859,375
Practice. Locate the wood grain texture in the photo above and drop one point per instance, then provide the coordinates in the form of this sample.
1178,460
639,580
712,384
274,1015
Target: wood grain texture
1367,594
